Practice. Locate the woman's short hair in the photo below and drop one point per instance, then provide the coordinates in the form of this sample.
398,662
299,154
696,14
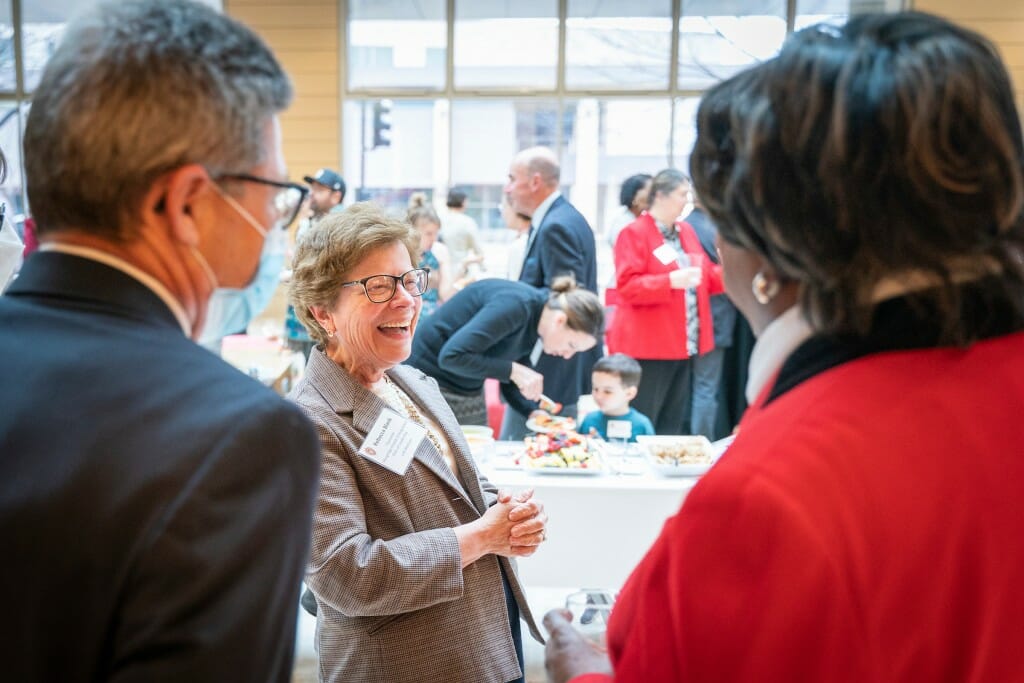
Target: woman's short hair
884,148
138,89
331,249
421,210
583,310
630,187
667,181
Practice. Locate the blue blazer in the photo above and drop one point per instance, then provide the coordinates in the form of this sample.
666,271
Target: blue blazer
564,243
155,503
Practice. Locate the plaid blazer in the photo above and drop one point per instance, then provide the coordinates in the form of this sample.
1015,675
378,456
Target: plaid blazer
393,602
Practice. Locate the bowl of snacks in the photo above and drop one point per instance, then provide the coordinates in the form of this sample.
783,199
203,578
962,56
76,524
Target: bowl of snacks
480,440
564,452
678,456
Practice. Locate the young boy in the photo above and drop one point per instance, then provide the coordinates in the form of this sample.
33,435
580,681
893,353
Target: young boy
615,381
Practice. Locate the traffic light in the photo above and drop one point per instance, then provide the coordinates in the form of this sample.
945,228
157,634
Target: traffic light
382,123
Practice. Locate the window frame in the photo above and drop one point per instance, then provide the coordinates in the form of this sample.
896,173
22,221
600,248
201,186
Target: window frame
560,92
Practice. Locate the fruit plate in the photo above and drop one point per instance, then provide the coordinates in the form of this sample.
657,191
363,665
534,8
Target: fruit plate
561,453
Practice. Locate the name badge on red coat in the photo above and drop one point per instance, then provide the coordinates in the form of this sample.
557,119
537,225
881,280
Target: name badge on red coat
666,254
392,441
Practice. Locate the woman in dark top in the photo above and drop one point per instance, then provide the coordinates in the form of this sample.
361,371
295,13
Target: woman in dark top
497,328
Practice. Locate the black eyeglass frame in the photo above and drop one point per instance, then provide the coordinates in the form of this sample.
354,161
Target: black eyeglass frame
395,279
284,185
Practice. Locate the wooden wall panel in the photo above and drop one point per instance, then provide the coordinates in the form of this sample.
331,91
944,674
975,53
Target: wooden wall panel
1001,21
306,37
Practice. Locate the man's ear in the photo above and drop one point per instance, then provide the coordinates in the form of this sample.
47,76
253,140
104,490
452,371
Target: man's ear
631,392
536,182
176,199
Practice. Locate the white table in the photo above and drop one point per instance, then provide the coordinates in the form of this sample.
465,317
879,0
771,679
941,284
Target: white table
600,527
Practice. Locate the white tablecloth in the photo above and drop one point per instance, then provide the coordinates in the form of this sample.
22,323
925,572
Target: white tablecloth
600,527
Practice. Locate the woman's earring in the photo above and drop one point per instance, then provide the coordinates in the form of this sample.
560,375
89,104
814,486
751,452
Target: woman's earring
764,291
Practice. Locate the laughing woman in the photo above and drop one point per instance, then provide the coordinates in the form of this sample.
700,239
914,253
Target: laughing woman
411,548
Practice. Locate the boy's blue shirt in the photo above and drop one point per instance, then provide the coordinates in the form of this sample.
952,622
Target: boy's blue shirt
641,425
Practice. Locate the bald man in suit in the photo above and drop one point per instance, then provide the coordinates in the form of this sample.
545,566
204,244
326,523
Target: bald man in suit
560,242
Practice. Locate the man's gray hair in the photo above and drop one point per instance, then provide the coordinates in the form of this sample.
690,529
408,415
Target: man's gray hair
543,161
137,89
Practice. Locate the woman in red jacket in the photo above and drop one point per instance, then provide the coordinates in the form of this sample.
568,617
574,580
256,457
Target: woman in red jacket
663,317
867,524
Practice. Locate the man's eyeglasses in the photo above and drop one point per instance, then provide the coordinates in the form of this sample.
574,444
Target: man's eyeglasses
287,201
381,288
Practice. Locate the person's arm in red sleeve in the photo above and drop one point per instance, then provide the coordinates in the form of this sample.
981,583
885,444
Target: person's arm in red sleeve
634,283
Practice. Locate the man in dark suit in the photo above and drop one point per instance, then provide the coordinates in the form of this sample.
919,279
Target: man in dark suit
707,367
155,503
560,242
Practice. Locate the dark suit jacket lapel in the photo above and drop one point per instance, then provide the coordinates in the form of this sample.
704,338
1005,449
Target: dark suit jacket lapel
347,396
537,228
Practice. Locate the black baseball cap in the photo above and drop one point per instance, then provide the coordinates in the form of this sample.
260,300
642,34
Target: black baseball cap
327,178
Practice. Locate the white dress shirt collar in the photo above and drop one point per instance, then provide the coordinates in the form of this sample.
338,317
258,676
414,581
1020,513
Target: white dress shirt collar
131,271
543,208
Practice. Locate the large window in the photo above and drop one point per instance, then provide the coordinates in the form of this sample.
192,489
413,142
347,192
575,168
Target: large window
618,45
501,44
435,101
397,44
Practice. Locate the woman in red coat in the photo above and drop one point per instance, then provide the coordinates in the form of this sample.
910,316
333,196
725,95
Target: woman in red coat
663,318
868,522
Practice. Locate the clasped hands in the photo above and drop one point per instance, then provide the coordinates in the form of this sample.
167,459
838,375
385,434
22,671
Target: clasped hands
516,524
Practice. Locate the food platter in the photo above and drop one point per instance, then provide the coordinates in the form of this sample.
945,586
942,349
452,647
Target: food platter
678,456
561,453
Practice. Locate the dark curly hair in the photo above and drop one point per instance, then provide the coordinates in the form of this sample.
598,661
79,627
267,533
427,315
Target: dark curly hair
887,149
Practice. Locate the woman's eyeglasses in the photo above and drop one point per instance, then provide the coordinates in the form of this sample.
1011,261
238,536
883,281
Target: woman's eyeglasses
381,288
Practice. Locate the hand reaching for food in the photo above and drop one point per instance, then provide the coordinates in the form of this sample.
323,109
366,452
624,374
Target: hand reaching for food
530,382
549,405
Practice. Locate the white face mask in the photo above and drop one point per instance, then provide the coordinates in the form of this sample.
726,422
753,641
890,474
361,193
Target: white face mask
11,251
230,310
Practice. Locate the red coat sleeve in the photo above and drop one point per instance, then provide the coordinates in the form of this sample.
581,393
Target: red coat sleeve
634,280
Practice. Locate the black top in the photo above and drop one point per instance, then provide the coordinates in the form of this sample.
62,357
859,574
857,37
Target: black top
899,324
478,334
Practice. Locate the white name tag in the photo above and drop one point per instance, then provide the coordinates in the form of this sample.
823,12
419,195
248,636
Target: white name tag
392,441
620,429
666,254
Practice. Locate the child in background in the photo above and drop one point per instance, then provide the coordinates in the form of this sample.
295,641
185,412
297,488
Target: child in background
615,380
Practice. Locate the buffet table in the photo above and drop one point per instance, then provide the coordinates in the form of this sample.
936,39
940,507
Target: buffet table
600,527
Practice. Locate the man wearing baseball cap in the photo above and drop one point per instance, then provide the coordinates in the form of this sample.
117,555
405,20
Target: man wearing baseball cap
327,190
